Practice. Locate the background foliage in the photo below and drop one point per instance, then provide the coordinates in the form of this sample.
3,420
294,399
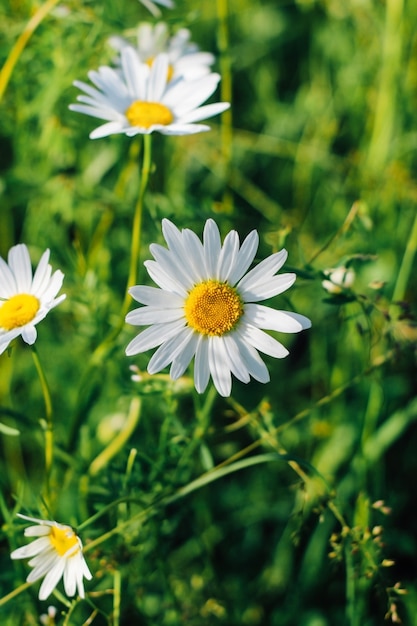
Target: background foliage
321,159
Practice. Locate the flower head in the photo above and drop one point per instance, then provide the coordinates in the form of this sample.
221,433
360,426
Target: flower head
151,5
25,299
207,307
338,279
57,554
184,58
138,99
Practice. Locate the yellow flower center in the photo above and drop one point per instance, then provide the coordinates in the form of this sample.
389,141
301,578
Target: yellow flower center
146,114
18,311
170,73
213,308
63,539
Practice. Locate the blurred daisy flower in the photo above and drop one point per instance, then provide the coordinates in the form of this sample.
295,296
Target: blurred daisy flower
57,553
206,307
184,57
338,279
25,299
151,5
139,100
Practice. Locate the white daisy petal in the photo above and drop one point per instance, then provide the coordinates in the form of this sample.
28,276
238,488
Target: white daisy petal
272,286
199,310
183,358
25,299
212,247
228,255
154,336
153,315
256,367
19,263
57,554
156,297
219,366
263,342
270,319
244,258
201,365
269,266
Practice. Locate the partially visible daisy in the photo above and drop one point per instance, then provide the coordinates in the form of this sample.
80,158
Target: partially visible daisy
57,554
184,57
140,100
338,279
151,5
206,307
25,299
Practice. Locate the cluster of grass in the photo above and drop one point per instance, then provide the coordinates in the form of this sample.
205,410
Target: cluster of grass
287,504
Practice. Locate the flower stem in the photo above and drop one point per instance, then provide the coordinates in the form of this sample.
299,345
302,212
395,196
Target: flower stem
137,221
19,46
406,264
48,428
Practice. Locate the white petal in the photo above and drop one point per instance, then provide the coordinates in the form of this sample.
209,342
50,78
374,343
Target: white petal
183,359
219,366
136,74
245,257
201,365
270,287
164,280
156,297
31,549
256,367
157,78
19,263
263,342
270,319
212,247
111,128
203,113
167,352
153,336
51,580
237,365
8,286
267,267
173,266
153,315
228,255
29,334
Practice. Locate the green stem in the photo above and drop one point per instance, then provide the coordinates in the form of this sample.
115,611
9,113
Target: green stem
106,345
14,593
406,264
48,428
16,51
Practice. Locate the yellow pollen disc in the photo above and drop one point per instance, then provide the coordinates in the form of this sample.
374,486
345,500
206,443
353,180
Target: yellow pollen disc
63,539
170,73
213,308
146,114
18,311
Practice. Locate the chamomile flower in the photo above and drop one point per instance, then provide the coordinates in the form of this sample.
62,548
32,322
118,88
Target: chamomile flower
206,307
151,5
138,99
184,57
57,553
338,279
25,300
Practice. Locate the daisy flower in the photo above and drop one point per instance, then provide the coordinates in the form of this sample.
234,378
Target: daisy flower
25,299
151,5
57,553
184,57
207,307
338,279
137,99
